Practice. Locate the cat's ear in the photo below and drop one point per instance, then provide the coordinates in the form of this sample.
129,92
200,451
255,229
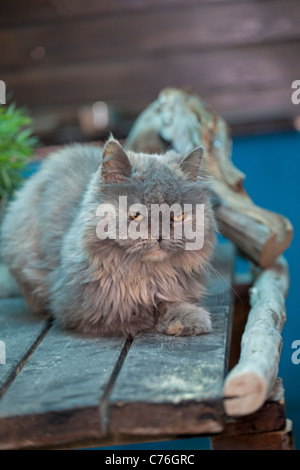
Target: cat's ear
191,164
115,165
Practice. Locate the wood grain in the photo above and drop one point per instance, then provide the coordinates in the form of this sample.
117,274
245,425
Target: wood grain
211,71
172,385
260,235
126,35
239,55
267,109
273,440
45,11
21,332
56,397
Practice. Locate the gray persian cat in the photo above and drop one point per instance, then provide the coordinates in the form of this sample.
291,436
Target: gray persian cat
110,286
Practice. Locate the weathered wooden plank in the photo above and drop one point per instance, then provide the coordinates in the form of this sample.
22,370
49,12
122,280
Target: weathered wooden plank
56,397
37,11
273,440
206,72
255,103
173,385
250,111
20,332
126,35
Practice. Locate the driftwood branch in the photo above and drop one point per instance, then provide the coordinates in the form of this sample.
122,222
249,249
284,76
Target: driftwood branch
251,381
180,120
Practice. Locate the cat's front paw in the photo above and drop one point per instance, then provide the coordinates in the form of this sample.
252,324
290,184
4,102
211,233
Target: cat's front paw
189,320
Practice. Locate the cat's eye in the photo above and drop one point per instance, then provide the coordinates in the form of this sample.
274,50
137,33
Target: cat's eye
178,218
136,216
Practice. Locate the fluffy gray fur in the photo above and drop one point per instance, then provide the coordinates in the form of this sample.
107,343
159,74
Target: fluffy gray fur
108,287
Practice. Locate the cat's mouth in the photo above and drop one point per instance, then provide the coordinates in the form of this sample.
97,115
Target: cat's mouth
156,253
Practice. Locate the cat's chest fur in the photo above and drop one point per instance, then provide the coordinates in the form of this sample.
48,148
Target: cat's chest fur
140,284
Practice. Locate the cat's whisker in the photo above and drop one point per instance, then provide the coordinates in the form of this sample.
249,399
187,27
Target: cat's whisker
206,274
204,270
209,265
125,258
128,266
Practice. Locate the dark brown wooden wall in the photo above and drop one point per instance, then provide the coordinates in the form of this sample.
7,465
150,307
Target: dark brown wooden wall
240,56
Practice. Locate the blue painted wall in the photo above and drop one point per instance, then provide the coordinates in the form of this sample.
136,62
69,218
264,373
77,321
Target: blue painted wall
272,165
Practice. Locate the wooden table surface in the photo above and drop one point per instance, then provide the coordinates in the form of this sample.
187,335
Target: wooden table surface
58,389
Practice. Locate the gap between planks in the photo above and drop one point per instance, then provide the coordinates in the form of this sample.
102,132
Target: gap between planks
24,359
104,404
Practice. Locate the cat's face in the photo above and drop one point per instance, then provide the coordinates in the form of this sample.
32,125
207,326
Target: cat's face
154,206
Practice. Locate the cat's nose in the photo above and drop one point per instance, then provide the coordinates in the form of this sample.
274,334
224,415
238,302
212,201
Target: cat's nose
160,238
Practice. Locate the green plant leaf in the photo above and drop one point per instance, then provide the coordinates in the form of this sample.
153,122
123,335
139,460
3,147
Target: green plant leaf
16,146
